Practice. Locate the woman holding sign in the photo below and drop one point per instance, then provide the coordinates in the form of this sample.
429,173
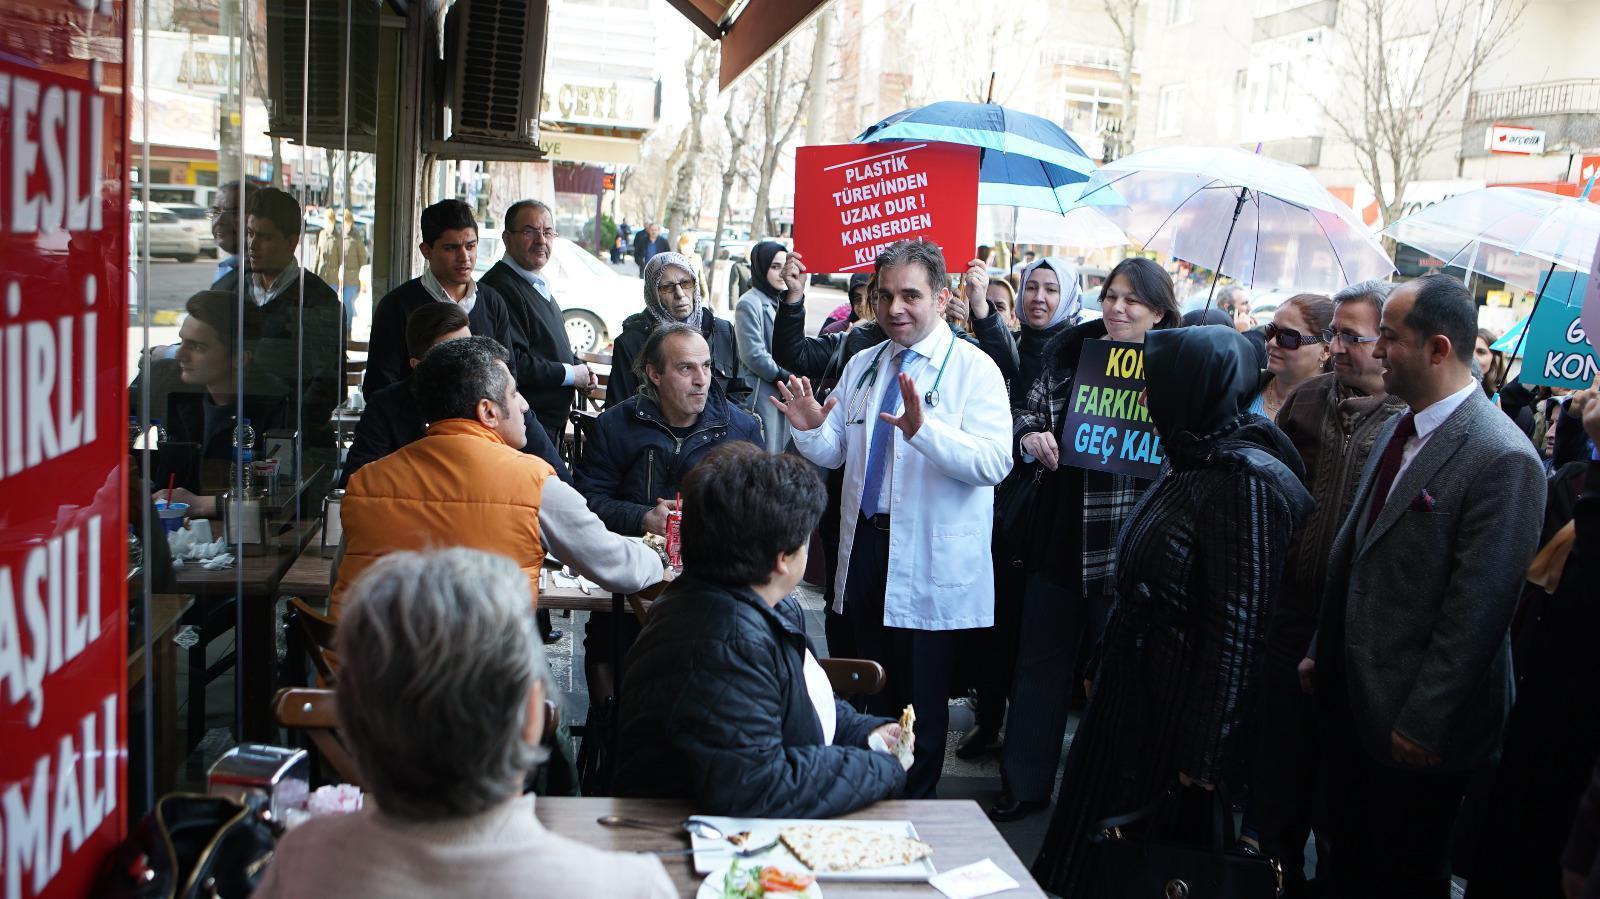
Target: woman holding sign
1068,542
1200,565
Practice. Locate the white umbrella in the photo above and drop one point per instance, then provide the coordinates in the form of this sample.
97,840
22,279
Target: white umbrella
1257,220
1511,234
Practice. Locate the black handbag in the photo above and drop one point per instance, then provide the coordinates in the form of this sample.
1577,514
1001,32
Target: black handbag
192,846
1138,869
1014,502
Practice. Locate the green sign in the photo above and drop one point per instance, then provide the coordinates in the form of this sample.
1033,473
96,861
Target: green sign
1558,353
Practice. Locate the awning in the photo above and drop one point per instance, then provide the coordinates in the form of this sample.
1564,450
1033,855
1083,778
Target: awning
748,29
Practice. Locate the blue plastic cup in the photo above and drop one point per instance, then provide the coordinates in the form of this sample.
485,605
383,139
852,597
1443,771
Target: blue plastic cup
172,514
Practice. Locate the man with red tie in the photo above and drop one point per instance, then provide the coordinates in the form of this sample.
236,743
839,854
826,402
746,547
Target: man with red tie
1411,664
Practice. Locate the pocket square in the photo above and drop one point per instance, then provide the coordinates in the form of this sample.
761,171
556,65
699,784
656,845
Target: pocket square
1423,502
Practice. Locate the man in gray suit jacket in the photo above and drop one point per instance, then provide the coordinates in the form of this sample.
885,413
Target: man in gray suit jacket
1411,663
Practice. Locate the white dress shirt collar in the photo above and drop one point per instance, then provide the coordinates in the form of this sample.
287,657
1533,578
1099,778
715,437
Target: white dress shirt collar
537,279
437,291
261,296
932,346
1428,420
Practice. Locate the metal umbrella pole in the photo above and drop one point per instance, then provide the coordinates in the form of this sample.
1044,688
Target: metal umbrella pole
1217,272
1538,298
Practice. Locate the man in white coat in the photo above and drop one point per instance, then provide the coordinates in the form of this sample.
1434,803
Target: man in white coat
923,429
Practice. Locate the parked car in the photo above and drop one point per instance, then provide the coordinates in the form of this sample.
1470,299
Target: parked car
196,216
594,298
194,194
169,235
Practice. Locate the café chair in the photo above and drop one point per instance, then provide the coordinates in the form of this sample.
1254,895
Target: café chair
314,632
853,676
584,422
315,713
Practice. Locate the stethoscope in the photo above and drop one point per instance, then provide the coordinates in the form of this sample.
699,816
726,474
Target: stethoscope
869,378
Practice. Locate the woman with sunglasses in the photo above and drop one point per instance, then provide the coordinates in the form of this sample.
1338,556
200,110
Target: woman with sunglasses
1296,351
672,294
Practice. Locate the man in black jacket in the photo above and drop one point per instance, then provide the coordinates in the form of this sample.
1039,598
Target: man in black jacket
302,320
450,245
546,370
641,450
392,418
726,704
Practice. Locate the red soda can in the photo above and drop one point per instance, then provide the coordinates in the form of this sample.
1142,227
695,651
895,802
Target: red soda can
675,539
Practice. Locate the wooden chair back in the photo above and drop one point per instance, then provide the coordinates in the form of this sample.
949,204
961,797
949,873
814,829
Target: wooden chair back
315,632
315,713
853,676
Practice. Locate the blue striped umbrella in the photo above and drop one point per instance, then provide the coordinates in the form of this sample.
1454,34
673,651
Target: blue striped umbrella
1027,161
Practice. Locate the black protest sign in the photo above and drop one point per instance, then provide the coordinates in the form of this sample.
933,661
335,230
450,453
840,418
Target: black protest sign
1106,427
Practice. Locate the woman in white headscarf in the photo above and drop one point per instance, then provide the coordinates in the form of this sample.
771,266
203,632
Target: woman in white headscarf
672,294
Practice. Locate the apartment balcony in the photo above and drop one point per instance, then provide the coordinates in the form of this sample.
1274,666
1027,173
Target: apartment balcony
1567,111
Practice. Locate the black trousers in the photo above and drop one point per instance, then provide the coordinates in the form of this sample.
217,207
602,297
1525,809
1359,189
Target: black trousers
918,663
1283,779
992,651
1387,829
1055,622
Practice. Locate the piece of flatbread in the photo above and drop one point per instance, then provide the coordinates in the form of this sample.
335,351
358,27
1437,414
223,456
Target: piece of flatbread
837,848
902,749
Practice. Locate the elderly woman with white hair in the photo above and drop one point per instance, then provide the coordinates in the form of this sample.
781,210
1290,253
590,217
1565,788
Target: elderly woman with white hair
441,702
672,294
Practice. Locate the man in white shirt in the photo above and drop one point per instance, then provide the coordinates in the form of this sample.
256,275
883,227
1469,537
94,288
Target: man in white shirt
923,429
1411,664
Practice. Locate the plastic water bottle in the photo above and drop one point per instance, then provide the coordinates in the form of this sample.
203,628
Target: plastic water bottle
161,431
244,455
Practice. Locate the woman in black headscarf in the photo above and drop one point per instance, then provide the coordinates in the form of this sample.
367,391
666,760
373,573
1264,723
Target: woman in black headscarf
753,315
1200,565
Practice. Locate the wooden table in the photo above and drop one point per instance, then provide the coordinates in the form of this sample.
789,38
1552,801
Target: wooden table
166,610
957,829
254,580
309,579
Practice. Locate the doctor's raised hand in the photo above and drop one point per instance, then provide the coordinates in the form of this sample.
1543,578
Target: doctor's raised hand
910,417
799,403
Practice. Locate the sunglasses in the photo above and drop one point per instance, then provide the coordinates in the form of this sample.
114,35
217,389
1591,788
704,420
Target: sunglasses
1350,338
1289,338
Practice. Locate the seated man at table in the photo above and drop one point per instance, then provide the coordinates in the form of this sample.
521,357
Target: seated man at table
391,418
641,449
723,700
197,400
466,484
441,702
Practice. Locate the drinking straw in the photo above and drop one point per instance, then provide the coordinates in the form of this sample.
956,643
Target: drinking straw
172,479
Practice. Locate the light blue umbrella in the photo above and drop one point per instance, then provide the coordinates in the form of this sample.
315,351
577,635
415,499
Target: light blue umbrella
1027,161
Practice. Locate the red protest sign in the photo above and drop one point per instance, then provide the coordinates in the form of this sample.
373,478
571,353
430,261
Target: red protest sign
852,200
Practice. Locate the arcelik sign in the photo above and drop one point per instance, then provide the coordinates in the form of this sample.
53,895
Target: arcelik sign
63,319
1515,139
853,200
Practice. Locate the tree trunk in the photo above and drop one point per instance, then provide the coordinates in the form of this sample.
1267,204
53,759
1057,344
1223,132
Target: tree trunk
821,50
776,72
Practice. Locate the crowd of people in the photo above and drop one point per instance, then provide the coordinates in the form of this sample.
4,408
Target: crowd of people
1354,600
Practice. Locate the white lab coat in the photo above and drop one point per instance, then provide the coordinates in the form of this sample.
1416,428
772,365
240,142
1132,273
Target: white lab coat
941,482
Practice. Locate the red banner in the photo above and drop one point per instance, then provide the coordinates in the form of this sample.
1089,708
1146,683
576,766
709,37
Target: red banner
853,200
63,327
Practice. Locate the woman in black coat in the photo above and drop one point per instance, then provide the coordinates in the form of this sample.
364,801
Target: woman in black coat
674,273
1200,564
1062,593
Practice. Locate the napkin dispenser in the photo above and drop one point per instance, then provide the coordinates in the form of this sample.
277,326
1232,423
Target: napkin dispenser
282,775
332,526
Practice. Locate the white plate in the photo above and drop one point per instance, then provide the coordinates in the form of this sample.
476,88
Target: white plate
764,830
711,887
